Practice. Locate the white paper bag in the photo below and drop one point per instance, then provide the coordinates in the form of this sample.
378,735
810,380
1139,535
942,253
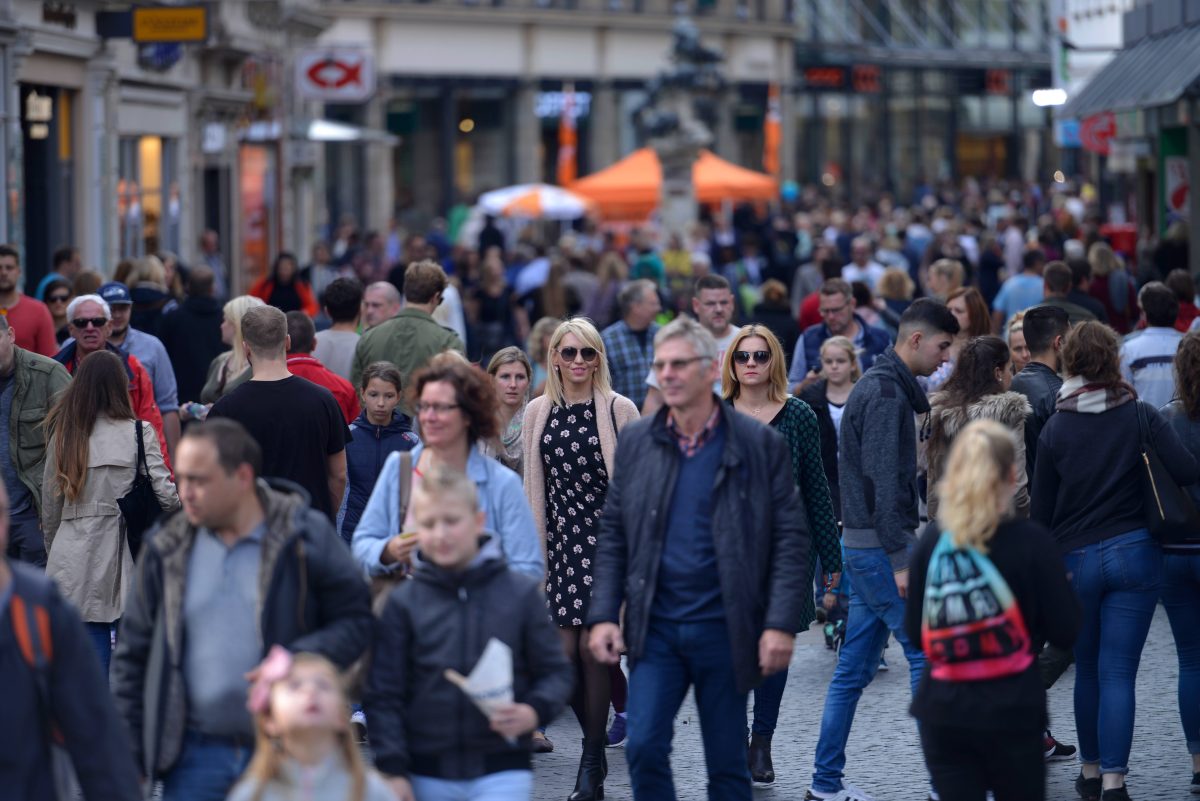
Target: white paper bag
490,684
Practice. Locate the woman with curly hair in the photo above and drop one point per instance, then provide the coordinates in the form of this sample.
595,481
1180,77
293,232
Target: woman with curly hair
754,381
456,415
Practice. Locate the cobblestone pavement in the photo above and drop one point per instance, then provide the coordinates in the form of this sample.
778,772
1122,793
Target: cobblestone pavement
883,756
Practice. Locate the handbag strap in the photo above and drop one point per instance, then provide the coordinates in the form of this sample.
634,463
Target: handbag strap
1143,427
140,465
406,471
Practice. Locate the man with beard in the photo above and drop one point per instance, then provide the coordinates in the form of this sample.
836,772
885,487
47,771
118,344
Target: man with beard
29,317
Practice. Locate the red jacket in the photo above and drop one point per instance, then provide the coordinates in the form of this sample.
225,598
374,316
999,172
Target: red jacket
141,392
264,287
311,369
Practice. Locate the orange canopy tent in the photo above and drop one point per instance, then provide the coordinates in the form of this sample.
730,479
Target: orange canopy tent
629,189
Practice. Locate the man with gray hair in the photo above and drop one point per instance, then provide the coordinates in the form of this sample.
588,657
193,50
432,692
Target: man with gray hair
703,540
381,302
862,266
89,322
629,342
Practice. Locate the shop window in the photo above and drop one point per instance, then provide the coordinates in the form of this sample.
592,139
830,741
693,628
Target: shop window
148,201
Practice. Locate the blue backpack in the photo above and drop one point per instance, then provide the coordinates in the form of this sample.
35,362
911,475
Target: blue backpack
971,626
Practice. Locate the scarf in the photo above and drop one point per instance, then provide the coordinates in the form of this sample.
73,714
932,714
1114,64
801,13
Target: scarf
511,437
1077,395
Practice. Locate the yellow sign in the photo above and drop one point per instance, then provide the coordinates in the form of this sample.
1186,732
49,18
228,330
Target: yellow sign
170,24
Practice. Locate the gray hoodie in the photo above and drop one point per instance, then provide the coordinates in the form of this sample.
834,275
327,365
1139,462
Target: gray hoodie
878,464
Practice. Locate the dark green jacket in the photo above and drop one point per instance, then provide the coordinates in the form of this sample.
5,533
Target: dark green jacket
37,382
408,340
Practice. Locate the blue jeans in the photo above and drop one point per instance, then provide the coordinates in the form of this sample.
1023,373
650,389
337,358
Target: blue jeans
876,609
1181,599
1118,582
101,636
676,656
207,768
507,785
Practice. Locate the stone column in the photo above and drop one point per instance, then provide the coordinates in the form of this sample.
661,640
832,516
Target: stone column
604,144
380,189
528,169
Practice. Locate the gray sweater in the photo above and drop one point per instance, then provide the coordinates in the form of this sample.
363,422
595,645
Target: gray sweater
878,465
328,781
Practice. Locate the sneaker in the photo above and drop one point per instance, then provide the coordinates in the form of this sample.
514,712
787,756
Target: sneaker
1115,794
1196,782
848,793
1056,751
616,732
358,726
883,665
1088,789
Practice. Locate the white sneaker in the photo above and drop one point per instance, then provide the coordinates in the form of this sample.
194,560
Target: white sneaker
851,793
359,717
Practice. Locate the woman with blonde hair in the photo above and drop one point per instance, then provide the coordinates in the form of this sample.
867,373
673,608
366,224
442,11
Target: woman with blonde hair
981,702
570,439
1113,286
91,460
152,299
754,381
1016,342
230,369
538,348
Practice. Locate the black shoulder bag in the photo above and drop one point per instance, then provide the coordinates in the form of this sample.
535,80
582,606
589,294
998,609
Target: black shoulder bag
1170,514
139,506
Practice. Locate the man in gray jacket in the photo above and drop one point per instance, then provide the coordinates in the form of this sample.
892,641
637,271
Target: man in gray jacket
878,477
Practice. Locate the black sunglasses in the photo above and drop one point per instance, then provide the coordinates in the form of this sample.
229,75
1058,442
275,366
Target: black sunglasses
760,356
57,298
569,354
82,322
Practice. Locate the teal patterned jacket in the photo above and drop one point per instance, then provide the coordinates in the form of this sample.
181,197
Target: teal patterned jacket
797,422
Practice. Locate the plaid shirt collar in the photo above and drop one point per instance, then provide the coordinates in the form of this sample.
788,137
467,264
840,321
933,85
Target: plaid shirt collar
690,445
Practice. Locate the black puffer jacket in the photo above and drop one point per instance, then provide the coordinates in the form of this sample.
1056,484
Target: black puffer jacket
312,597
759,532
420,722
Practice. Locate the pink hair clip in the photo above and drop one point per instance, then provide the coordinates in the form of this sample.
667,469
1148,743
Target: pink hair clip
274,668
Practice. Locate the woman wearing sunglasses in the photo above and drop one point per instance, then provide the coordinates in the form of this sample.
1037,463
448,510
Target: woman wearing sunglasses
58,296
570,438
754,381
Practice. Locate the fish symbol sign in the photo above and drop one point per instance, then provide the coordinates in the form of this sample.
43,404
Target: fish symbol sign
340,75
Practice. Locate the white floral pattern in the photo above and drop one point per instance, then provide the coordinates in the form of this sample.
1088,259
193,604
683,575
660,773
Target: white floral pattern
576,483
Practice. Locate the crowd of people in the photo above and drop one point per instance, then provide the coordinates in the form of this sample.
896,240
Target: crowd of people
622,465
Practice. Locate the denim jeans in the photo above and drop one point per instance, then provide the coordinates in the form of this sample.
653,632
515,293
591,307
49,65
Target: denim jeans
676,656
1118,581
101,636
507,785
207,768
1181,599
876,609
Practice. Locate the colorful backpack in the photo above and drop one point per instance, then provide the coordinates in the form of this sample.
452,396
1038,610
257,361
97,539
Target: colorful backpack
971,626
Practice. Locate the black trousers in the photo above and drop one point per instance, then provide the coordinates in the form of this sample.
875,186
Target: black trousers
965,763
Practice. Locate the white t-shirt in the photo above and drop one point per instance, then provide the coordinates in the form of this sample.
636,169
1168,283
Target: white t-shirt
722,345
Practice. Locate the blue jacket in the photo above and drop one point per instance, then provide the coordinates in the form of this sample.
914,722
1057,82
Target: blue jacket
366,451
501,496
875,341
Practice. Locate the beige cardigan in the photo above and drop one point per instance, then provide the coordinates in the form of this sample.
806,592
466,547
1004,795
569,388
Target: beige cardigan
538,412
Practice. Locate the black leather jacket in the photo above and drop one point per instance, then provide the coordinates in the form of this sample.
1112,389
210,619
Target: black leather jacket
1040,385
758,525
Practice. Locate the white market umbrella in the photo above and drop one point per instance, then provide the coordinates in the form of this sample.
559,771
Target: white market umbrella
536,201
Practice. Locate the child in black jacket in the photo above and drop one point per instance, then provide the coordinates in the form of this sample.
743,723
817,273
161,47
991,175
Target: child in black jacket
425,731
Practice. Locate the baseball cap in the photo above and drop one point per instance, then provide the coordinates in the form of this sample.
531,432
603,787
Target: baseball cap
115,292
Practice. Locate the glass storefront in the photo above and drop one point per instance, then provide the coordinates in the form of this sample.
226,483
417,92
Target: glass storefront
49,166
148,202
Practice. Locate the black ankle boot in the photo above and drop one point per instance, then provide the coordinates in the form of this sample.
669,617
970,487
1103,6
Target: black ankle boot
589,784
761,769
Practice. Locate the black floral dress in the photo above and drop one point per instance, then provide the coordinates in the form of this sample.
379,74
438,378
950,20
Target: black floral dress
576,482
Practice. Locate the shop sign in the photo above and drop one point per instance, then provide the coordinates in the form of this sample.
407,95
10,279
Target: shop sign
998,82
59,14
1097,131
1178,185
39,108
170,24
1066,133
866,79
159,57
550,105
335,75
214,138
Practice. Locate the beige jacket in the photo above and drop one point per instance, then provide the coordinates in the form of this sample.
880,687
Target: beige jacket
87,555
610,407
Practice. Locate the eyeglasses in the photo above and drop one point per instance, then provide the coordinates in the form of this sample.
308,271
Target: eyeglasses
568,354
760,356
836,310
437,408
82,322
57,298
675,364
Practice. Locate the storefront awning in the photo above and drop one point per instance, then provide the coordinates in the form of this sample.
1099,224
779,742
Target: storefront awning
1156,71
